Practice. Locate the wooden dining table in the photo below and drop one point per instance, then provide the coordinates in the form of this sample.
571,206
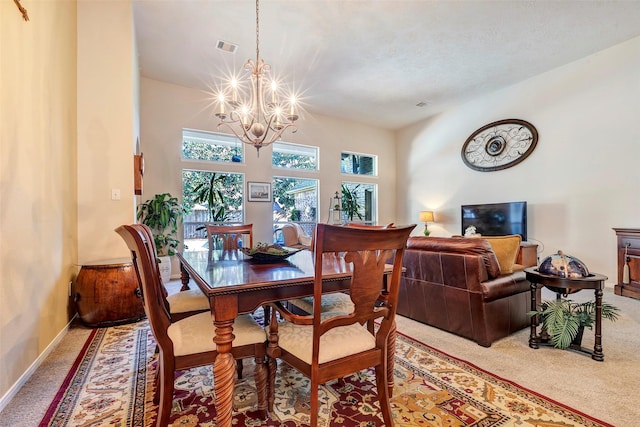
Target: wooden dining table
236,284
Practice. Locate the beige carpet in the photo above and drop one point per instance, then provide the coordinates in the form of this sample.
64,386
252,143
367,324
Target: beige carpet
606,390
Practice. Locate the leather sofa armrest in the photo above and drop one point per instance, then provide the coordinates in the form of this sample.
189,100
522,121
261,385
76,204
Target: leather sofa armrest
505,285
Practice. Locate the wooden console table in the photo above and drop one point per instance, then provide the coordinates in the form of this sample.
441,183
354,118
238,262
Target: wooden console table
628,238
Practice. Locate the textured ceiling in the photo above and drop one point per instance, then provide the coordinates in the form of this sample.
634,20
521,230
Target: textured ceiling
373,61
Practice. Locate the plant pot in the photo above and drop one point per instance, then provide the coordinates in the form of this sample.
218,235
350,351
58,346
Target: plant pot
164,264
577,341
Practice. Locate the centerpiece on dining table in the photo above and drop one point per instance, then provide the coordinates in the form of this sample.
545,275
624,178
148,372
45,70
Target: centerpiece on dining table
269,253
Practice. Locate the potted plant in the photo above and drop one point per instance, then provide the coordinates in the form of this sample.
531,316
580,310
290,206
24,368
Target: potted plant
350,205
564,320
162,214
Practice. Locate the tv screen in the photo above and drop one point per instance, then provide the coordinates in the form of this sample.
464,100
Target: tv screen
496,219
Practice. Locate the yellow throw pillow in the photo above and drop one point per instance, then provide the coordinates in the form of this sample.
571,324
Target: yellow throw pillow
506,249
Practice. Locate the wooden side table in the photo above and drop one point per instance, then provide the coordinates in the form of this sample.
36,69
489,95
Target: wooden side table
559,284
107,293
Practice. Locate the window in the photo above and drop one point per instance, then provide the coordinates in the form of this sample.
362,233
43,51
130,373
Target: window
210,196
296,200
365,197
358,164
295,156
211,146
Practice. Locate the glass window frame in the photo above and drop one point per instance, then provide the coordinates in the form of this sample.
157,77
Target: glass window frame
353,153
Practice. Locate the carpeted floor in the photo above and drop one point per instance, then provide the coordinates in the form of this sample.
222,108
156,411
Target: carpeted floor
604,390
113,381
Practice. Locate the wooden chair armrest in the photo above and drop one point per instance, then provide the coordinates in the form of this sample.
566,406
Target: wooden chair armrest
288,315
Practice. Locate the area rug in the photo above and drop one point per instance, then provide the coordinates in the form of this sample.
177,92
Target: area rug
111,384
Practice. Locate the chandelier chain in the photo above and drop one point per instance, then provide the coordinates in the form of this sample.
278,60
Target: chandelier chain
260,118
257,30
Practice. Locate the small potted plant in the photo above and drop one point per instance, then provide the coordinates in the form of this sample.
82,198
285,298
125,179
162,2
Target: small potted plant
162,214
564,320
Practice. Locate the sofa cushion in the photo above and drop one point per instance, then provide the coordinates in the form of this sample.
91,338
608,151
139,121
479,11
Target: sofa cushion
506,249
479,247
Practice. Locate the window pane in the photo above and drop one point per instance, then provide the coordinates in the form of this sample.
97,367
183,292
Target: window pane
363,197
217,147
294,156
358,164
295,200
204,189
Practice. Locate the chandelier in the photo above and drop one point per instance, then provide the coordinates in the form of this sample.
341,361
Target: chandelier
260,115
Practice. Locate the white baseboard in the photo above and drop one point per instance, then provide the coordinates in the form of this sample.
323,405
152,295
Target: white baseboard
4,401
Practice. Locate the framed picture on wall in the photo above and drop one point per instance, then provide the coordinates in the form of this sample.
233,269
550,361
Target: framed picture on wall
259,191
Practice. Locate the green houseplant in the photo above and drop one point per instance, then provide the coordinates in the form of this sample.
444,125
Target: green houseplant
564,320
162,214
350,205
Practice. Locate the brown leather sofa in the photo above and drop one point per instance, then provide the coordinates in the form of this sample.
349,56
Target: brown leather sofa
455,284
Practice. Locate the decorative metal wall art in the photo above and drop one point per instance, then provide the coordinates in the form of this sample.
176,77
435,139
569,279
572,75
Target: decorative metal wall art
499,145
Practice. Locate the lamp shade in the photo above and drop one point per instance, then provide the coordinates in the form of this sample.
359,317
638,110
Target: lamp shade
426,216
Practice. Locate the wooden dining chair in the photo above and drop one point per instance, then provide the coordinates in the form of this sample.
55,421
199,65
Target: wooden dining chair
184,303
189,342
327,346
232,236
335,302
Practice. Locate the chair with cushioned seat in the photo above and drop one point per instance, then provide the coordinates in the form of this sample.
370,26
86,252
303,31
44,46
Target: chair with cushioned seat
327,346
294,236
189,342
184,303
336,302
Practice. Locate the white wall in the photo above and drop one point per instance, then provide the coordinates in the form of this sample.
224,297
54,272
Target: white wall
166,109
580,181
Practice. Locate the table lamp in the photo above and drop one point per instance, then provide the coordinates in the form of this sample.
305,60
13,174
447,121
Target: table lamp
426,216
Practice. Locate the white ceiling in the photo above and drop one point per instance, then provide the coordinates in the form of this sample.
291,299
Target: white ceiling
373,61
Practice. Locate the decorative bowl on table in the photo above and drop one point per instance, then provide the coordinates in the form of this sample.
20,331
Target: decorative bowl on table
265,253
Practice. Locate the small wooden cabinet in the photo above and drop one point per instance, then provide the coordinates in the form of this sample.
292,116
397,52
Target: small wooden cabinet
107,293
629,239
528,254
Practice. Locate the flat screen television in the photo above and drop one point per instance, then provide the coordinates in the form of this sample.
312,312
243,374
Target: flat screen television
496,219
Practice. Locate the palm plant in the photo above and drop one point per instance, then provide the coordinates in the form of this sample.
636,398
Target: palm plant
564,320
350,204
210,193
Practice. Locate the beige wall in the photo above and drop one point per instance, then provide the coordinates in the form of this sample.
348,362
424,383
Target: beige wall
166,109
581,180
106,126
38,217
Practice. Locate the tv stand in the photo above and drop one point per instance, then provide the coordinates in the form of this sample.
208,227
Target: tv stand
528,254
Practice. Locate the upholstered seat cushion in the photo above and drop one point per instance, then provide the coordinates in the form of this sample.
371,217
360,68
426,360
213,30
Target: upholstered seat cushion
194,334
337,302
190,300
338,342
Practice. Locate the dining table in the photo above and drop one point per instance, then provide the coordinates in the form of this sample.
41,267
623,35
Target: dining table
237,284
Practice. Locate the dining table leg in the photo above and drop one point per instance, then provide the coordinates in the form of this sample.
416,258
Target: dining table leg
223,372
225,310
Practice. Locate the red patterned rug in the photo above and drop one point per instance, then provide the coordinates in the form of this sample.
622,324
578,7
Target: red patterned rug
111,384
